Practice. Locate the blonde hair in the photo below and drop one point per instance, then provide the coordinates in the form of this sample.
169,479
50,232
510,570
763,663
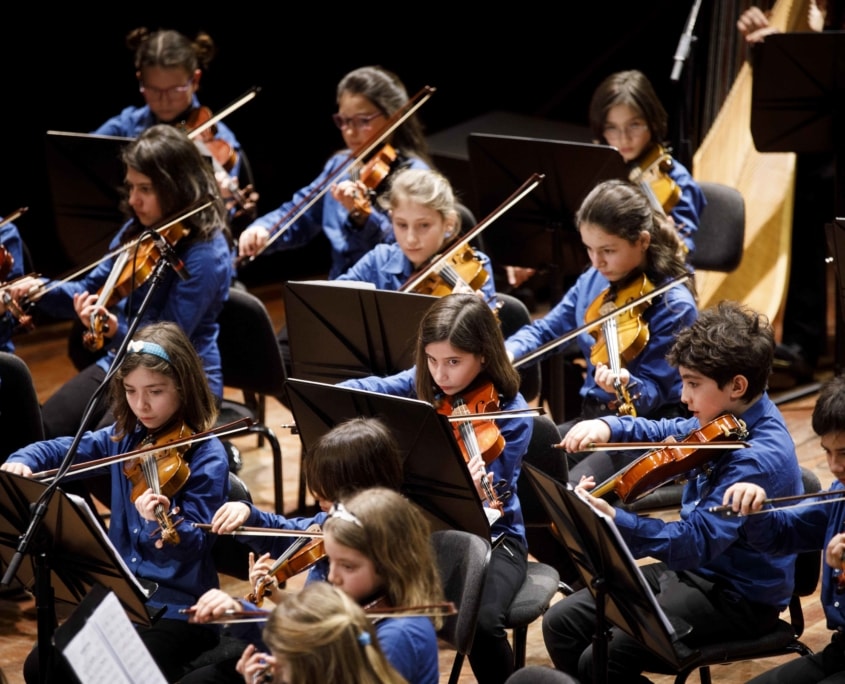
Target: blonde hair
324,636
427,188
395,535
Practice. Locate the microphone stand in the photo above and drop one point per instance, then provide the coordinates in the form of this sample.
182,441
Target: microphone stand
682,53
45,610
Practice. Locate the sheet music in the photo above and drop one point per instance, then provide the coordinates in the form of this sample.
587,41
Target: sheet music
108,650
82,506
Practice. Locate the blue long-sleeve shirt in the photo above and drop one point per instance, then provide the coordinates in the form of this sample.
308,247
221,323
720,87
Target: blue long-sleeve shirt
687,212
654,382
387,267
715,547
515,431
194,304
11,241
808,528
349,242
183,571
132,121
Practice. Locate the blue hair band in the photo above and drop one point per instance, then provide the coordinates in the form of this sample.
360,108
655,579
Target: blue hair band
144,347
364,639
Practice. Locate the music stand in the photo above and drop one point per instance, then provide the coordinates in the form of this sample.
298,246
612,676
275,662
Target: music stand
85,175
435,474
540,231
339,331
611,574
70,554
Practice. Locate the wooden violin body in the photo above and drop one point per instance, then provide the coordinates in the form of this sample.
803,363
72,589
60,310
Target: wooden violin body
652,173
298,557
666,464
631,330
165,472
461,271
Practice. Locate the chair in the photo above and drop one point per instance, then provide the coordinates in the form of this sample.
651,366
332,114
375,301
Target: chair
20,411
786,638
719,241
252,363
513,314
231,556
531,602
463,558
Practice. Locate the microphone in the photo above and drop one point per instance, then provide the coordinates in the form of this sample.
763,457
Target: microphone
169,255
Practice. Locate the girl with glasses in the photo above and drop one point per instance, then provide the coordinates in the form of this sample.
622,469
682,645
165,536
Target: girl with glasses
169,66
346,212
626,113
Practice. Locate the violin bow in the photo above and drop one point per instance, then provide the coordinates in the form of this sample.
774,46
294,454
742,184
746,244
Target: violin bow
260,531
444,609
833,494
237,104
14,215
684,446
563,339
196,207
398,118
516,196
228,429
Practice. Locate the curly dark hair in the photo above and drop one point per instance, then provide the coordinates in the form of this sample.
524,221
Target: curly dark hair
727,340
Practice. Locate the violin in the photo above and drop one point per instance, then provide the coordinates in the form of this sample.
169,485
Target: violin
372,175
669,463
298,557
477,437
652,175
620,338
459,269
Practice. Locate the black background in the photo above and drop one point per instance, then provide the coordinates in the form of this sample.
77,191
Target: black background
70,71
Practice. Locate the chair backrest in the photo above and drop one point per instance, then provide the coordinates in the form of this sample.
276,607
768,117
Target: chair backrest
20,411
249,352
462,558
720,239
513,314
231,556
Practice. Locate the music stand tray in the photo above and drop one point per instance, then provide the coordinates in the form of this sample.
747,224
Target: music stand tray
78,551
85,175
339,330
540,231
435,474
609,570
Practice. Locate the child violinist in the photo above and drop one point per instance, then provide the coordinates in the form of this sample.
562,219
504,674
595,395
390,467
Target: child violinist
378,544
460,353
422,209
346,211
816,524
158,392
319,635
355,454
709,576
631,248
169,66
626,113
11,266
165,176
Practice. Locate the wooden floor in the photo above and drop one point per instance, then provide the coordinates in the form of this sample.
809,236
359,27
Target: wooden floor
44,352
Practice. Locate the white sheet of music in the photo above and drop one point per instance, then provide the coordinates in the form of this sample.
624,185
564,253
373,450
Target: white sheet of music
108,650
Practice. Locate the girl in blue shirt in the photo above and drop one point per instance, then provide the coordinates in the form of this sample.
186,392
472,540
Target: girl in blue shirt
165,175
158,389
10,239
460,351
421,206
340,206
169,66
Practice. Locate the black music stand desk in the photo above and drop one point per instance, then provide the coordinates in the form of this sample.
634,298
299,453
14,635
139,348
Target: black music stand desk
339,330
611,574
435,474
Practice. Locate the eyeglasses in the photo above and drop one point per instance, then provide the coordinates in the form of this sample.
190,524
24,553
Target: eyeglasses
632,130
169,93
338,510
355,122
